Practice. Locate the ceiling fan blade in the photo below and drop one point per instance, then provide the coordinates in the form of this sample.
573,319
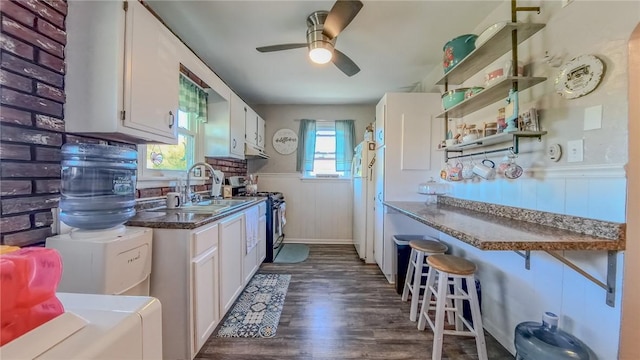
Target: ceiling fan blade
344,63
341,15
281,47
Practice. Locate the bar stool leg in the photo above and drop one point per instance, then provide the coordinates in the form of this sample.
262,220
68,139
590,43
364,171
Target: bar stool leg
438,333
477,318
458,303
426,300
408,279
417,280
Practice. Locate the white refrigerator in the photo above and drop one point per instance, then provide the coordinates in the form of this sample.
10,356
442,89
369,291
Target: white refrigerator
363,199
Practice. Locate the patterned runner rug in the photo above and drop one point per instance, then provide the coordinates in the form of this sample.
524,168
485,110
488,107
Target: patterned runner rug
256,312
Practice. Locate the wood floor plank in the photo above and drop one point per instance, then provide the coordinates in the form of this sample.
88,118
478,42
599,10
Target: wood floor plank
337,307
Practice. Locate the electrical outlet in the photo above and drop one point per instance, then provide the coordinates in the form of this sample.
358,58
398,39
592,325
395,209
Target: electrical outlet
575,151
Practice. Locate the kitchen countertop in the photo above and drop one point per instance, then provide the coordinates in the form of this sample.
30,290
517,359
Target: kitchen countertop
496,227
185,219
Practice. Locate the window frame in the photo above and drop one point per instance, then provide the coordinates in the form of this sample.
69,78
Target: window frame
151,178
323,126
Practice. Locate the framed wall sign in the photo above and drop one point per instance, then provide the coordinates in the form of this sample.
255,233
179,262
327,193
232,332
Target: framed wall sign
285,141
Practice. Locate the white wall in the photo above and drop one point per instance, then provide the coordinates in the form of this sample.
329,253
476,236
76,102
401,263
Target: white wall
594,188
318,211
287,117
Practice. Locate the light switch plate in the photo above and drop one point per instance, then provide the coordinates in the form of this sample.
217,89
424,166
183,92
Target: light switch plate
575,150
593,117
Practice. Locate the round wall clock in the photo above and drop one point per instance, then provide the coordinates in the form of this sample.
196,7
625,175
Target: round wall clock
579,76
285,141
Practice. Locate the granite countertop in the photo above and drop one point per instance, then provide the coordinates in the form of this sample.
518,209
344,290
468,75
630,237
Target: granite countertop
495,227
184,219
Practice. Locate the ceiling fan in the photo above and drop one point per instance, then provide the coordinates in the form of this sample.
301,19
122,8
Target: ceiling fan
322,32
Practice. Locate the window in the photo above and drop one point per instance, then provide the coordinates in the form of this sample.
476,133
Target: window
175,157
326,149
160,160
324,157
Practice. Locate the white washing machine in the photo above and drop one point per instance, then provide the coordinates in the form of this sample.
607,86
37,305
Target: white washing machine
114,261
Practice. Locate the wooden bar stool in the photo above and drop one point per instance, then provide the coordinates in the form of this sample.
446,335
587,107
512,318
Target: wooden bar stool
447,267
417,270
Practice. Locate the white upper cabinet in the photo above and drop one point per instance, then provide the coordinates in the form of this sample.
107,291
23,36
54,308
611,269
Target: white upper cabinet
225,130
251,124
262,127
238,120
255,129
122,78
151,73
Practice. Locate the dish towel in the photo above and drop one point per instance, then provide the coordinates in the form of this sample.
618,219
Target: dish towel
283,220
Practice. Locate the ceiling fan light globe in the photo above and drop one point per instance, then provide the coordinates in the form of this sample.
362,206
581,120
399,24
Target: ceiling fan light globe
320,55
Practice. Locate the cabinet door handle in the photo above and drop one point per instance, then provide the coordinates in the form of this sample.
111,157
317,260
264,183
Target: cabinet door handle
233,144
380,196
173,119
380,135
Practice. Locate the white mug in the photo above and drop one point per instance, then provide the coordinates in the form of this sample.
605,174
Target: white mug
486,170
173,200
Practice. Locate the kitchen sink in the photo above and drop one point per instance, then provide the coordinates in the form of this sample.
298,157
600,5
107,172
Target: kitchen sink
210,206
225,202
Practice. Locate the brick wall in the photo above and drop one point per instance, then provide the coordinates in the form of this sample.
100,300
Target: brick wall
230,167
32,71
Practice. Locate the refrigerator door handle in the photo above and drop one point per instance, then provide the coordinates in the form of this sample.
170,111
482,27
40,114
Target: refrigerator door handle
373,161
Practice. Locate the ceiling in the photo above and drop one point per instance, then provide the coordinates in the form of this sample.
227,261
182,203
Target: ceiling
395,44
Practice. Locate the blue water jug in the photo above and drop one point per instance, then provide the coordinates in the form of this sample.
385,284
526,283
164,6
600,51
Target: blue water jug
98,185
535,341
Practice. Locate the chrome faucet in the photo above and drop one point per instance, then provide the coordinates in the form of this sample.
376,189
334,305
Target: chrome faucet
216,180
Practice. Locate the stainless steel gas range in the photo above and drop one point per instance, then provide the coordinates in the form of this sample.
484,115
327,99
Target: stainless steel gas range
276,222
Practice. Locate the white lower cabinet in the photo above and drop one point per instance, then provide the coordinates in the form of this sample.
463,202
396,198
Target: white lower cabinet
184,277
232,237
198,274
206,312
251,244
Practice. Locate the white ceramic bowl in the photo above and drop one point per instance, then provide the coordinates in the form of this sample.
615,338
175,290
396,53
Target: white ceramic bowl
489,32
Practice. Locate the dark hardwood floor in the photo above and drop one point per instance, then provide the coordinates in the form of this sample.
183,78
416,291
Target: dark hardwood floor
337,307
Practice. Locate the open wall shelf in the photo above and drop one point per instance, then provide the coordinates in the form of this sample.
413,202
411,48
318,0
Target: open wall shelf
485,54
490,95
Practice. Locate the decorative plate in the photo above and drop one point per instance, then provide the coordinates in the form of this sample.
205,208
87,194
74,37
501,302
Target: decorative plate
285,141
579,76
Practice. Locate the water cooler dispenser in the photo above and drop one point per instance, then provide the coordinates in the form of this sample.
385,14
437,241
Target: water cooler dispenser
101,255
537,341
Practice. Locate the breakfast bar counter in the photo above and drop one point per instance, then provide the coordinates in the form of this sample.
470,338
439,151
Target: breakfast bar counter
496,227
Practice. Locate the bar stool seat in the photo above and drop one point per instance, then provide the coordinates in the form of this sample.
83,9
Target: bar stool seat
417,271
447,268
429,246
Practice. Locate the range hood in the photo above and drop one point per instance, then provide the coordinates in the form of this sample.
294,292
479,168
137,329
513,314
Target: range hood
251,152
